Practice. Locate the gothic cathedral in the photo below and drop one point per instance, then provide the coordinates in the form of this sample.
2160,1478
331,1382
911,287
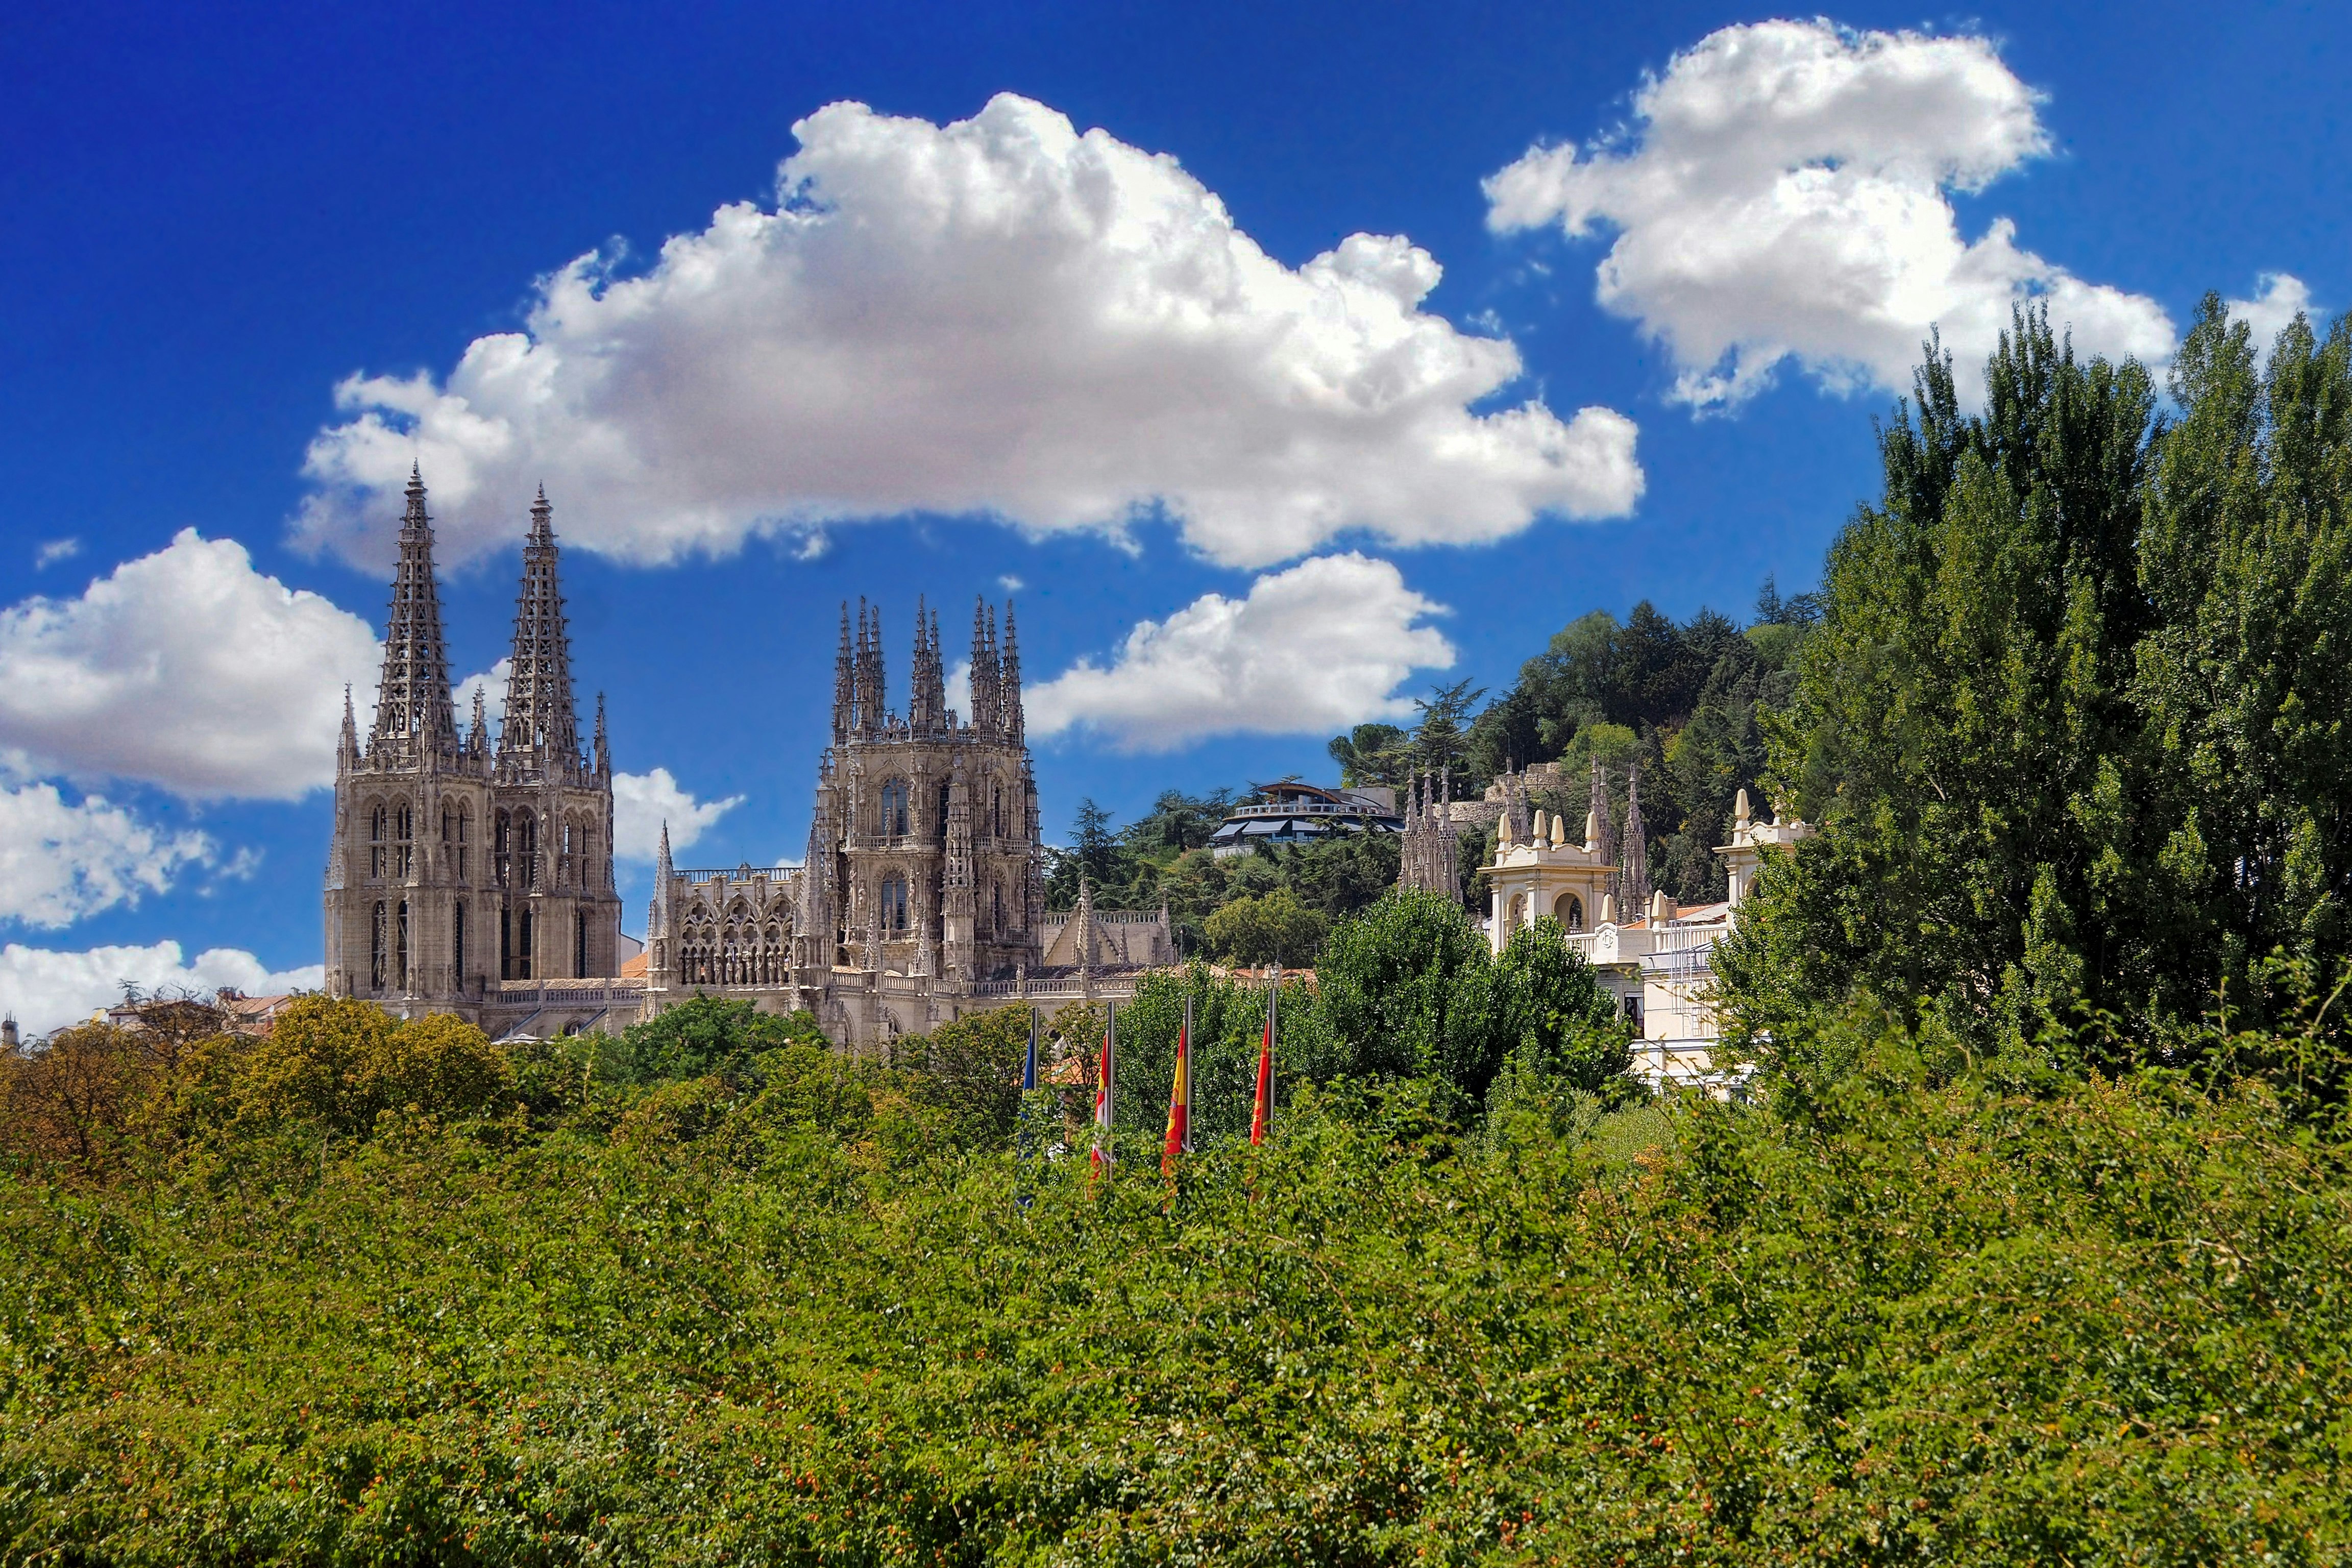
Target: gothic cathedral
461,867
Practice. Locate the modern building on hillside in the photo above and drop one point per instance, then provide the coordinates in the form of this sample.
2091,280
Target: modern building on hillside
1291,812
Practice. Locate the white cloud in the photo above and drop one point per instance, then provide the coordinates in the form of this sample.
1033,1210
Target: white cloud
2279,297
62,860
998,317
1782,195
53,551
186,670
1317,648
492,684
46,990
643,802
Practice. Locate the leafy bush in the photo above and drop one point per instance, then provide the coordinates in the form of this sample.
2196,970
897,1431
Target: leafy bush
1881,1318
1261,931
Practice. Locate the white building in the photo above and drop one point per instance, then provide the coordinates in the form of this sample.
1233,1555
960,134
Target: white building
1658,962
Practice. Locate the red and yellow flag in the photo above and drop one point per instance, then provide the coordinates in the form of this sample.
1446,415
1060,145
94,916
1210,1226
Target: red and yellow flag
1261,1105
1180,1098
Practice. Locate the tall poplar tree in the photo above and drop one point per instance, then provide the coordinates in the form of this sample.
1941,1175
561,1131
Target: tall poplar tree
2075,726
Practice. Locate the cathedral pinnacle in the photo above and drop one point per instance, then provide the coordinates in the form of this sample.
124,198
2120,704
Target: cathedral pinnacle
1009,674
412,711
541,719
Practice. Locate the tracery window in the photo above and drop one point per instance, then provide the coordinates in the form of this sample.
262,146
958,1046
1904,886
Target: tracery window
400,965
895,914
894,809
375,948
527,847
376,821
403,851
502,848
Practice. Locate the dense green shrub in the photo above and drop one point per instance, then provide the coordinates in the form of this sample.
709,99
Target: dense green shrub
1880,1319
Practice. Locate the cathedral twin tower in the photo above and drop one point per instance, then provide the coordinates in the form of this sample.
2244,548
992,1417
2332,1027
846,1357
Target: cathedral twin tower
476,877
458,863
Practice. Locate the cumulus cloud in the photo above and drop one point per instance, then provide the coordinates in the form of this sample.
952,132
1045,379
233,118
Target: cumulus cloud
61,860
2279,298
492,685
46,990
1317,648
999,317
187,669
1782,193
643,802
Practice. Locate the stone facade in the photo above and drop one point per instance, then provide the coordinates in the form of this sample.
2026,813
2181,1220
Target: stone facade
922,895
475,877
467,875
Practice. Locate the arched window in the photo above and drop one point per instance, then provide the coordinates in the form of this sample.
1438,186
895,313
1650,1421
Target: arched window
1570,911
527,849
404,829
894,809
375,948
894,906
400,966
503,851
457,942
377,818
465,821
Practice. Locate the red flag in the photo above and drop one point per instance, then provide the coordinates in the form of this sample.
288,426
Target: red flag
1262,1106
1180,1097
1102,1154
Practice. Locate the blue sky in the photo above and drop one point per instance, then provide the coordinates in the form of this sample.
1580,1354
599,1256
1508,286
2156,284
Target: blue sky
1315,486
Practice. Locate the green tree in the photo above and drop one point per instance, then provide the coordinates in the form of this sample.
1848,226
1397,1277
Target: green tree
1550,1012
1259,931
709,1037
1962,727
1407,989
2243,687
1372,754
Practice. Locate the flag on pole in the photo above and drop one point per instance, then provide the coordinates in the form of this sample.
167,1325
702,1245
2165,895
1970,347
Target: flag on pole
1180,1098
1103,1077
1261,1106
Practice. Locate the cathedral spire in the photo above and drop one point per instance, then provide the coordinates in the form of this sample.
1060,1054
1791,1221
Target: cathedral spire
1009,673
478,737
845,688
1635,879
873,696
411,707
603,746
984,668
348,752
927,708
658,913
541,718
